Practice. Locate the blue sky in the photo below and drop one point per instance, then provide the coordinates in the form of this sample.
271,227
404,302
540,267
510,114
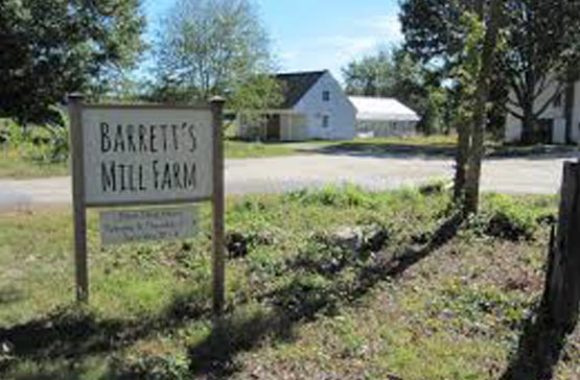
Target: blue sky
319,34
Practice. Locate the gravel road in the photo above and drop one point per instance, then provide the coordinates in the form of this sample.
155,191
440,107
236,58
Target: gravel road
267,175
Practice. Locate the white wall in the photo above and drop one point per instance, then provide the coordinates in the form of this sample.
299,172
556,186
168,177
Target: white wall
386,128
342,123
576,113
513,130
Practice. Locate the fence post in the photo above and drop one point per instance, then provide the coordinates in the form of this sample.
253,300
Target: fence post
563,292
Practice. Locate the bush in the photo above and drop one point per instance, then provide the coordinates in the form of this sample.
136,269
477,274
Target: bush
43,144
333,196
505,218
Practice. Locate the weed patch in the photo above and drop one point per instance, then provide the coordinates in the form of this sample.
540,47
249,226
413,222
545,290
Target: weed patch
333,283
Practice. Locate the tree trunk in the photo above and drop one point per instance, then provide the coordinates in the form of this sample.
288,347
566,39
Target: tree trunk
528,123
464,131
471,201
569,108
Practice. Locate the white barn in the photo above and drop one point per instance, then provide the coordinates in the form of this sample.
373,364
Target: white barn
314,107
562,113
382,117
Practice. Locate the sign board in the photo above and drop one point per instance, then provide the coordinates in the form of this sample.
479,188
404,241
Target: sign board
128,226
146,156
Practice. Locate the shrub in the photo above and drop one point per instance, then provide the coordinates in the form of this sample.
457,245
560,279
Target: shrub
333,196
505,218
44,144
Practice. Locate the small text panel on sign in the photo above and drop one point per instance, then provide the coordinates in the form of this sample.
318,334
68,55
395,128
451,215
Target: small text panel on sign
127,226
146,155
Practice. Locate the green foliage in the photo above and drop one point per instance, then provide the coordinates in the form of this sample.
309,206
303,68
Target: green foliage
506,218
540,41
332,196
254,95
151,363
371,75
435,33
54,47
453,314
467,306
47,144
466,71
213,47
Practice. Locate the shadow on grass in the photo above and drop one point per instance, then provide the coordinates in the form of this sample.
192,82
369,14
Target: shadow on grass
9,295
443,150
385,149
299,302
74,333
539,350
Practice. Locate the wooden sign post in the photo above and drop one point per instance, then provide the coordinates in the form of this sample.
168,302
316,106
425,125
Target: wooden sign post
134,155
78,191
218,262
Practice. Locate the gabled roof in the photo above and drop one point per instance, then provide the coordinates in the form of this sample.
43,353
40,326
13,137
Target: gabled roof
295,85
382,109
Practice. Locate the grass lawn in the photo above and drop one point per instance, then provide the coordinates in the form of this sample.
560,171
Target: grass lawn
14,164
422,302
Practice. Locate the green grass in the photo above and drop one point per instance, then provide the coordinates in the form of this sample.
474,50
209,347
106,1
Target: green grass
296,307
16,164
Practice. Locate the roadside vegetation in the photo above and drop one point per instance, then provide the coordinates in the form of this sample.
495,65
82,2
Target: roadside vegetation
334,283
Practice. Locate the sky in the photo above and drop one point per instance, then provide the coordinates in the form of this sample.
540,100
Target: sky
318,34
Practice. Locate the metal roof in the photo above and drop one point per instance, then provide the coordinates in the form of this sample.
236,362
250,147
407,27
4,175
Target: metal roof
383,109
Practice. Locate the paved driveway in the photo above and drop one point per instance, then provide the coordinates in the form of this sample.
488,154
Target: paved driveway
516,176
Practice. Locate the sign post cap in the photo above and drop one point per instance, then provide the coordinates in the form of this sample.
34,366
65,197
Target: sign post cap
217,99
75,96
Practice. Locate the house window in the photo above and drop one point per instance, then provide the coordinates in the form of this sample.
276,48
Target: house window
325,121
326,96
558,100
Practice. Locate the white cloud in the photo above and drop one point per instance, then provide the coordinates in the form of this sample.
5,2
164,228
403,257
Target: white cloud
335,51
388,27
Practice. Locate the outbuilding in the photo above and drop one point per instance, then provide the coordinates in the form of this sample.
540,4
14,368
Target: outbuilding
384,117
314,106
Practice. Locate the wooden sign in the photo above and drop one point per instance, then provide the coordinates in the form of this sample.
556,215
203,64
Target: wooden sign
130,226
146,155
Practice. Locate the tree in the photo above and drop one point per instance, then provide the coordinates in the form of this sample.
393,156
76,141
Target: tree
473,175
541,45
49,48
373,75
539,41
464,90
210,47
459,37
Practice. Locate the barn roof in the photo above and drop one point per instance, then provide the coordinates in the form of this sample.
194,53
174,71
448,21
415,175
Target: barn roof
383,109
296,85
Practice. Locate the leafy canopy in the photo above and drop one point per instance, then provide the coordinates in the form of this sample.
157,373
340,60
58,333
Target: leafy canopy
49,48
209,47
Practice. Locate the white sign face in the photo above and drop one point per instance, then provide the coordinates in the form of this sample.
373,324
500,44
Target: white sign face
128,226
146,155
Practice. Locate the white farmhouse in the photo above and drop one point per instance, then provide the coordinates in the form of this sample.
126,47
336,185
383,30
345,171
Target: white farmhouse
382,117
562,112
314,107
